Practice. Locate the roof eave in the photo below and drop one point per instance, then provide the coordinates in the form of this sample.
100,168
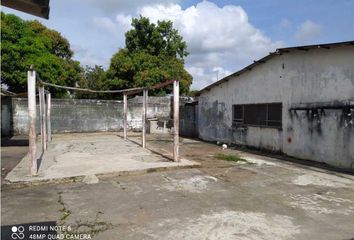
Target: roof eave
39,8
279,51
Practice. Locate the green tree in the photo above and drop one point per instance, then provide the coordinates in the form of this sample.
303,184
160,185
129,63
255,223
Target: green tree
93,78
60,46
154,53
26,43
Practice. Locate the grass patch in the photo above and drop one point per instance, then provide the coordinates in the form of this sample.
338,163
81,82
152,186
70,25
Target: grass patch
66,212
229,157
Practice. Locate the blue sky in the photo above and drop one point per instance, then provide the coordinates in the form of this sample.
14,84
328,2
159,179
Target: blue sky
222,36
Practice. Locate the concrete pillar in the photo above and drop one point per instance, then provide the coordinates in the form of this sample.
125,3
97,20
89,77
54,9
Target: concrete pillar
176,121
125,110
31,91
49,126
42,117
145,96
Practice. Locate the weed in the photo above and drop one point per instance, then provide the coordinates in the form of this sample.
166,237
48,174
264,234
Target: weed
229,157
66,212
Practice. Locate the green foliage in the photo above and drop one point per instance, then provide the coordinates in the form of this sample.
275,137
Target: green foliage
153,54
229,157
193,93
26,43
93,78
160,39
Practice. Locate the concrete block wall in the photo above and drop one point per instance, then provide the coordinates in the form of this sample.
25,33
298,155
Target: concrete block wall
84,115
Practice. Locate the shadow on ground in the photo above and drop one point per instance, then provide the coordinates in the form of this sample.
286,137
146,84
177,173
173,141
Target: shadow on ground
13,149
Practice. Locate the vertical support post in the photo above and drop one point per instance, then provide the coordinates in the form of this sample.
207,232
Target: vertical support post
40,114
49,124
145,92
31,89
176,121
42,117
125,109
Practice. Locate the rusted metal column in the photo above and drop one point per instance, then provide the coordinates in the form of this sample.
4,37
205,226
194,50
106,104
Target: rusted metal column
176,121
125,109
31,90
49,124
145,93
42,117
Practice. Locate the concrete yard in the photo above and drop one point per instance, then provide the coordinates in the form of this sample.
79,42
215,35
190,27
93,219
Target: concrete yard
264,198
12,151
85,155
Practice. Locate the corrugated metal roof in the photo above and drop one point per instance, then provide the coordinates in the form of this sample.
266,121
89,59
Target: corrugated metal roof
279,51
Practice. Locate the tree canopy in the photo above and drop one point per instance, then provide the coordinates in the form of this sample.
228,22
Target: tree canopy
154,53
93,78
26,43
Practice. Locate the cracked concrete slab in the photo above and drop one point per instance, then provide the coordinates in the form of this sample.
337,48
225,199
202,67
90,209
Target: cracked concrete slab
219,200
78,155
90,179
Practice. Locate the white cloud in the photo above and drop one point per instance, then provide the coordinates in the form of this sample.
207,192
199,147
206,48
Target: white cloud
308,31
124,21
115,6
217,38
221,72
117,26
87,57
220,39
106,24
284,24
207,76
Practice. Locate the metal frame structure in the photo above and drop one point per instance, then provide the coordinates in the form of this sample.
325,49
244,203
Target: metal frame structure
45,113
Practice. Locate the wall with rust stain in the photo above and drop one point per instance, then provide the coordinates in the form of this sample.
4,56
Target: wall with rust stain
319,76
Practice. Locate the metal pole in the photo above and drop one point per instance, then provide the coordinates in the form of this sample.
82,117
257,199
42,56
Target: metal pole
49,126
125,109
42,117
31,89
176,121
145,92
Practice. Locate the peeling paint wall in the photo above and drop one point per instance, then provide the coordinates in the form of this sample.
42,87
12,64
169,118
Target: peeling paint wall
321,77
73,115
215,107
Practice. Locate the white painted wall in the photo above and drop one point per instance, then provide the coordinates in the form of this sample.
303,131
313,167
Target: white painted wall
297,77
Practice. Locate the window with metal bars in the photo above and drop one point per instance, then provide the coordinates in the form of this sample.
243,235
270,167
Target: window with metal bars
265,114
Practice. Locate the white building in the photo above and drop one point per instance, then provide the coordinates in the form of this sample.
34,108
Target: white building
298,100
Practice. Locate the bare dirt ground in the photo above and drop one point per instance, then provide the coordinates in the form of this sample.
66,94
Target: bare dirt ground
264,198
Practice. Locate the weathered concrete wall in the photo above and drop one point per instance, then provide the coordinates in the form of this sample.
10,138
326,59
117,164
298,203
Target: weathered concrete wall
72,115
215,107
188,120
321,76
6,113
